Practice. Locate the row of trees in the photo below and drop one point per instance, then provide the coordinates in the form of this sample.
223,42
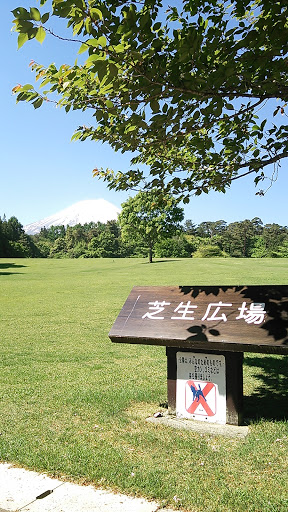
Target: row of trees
14,242
248,238
145,220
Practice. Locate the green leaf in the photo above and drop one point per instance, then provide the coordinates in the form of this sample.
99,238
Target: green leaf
21,14
24,26
88,25
96,14
76,136
40,35
37,103
119,48
83,48
102,41
78,27
154,104
113,70
22,96
94,58
276,111
27,87
35,14
98,115
101,67
93,42
157,26
22,38
134,106
45,17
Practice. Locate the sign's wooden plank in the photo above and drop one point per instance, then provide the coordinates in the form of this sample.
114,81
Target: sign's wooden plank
237,318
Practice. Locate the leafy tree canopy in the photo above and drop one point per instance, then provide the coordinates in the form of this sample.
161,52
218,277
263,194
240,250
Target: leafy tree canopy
149,219
181,86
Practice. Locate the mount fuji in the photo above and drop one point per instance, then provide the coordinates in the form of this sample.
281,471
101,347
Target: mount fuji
91,210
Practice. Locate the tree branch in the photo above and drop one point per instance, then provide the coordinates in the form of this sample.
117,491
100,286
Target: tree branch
260,165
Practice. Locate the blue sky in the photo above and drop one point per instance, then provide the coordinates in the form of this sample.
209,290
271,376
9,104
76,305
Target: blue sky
42,171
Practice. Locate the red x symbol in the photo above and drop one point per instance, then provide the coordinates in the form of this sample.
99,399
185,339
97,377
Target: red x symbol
199,399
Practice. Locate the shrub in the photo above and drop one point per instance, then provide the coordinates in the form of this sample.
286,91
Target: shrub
173,248
209,251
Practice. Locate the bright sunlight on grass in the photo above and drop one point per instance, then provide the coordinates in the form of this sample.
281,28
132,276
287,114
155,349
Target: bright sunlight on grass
74,404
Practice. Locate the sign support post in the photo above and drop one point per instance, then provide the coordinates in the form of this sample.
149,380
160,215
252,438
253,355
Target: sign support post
234,387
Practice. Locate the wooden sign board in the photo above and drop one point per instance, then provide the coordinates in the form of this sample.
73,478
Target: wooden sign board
229,318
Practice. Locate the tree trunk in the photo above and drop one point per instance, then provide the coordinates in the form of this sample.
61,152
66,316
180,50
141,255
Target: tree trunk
150,254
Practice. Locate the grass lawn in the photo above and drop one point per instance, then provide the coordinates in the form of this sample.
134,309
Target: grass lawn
74,404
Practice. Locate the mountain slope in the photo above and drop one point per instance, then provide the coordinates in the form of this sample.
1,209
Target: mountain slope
91,210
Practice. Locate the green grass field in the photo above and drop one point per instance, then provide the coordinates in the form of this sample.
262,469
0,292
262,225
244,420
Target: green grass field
74,404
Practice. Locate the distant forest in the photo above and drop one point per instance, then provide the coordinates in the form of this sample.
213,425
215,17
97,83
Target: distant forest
242,239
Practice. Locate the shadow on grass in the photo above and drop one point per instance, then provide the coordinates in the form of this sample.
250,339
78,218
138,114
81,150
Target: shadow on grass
270,398
159,261
4,266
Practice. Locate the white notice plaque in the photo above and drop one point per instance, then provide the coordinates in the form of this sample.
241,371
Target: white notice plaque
201,387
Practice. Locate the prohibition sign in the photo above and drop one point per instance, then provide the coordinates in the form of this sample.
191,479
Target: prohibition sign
199,397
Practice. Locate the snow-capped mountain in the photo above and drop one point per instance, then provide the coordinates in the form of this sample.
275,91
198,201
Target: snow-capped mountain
91,210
